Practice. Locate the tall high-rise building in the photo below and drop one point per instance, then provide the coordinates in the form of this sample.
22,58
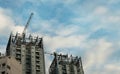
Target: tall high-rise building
62,64
28,51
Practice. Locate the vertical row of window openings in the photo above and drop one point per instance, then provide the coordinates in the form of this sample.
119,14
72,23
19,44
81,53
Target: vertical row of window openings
18,53
37,62
4,66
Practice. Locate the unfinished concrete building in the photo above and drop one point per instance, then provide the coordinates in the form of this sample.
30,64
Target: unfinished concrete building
9,65
62,64
29,51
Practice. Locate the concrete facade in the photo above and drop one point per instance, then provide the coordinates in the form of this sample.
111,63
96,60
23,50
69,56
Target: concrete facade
9,65
29,51
62,64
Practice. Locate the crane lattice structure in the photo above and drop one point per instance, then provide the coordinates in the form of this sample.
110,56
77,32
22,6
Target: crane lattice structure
27,24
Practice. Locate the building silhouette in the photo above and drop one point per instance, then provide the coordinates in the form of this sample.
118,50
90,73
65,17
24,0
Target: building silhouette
28,51
9,65
62,64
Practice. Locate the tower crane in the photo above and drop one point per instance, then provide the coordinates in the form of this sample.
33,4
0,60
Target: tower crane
48,53
55,54
27,24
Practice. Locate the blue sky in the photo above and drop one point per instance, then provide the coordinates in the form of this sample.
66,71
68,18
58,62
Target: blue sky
87,28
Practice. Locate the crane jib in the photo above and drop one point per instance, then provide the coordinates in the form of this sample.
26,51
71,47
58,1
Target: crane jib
27,23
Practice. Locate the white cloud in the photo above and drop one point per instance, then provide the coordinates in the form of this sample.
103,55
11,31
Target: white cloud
97,54
100,10
113,67
114,19
7,23
2,48
113,1
56,42
68,2
18,29
68,30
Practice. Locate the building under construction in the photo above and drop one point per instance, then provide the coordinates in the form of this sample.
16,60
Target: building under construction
62,64
28,51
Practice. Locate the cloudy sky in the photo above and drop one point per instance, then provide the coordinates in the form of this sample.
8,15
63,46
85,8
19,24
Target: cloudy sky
86,28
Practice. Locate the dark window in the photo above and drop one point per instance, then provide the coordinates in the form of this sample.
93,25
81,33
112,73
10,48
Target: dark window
37,70
28,73
8,67
3,72
37,53
3,65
